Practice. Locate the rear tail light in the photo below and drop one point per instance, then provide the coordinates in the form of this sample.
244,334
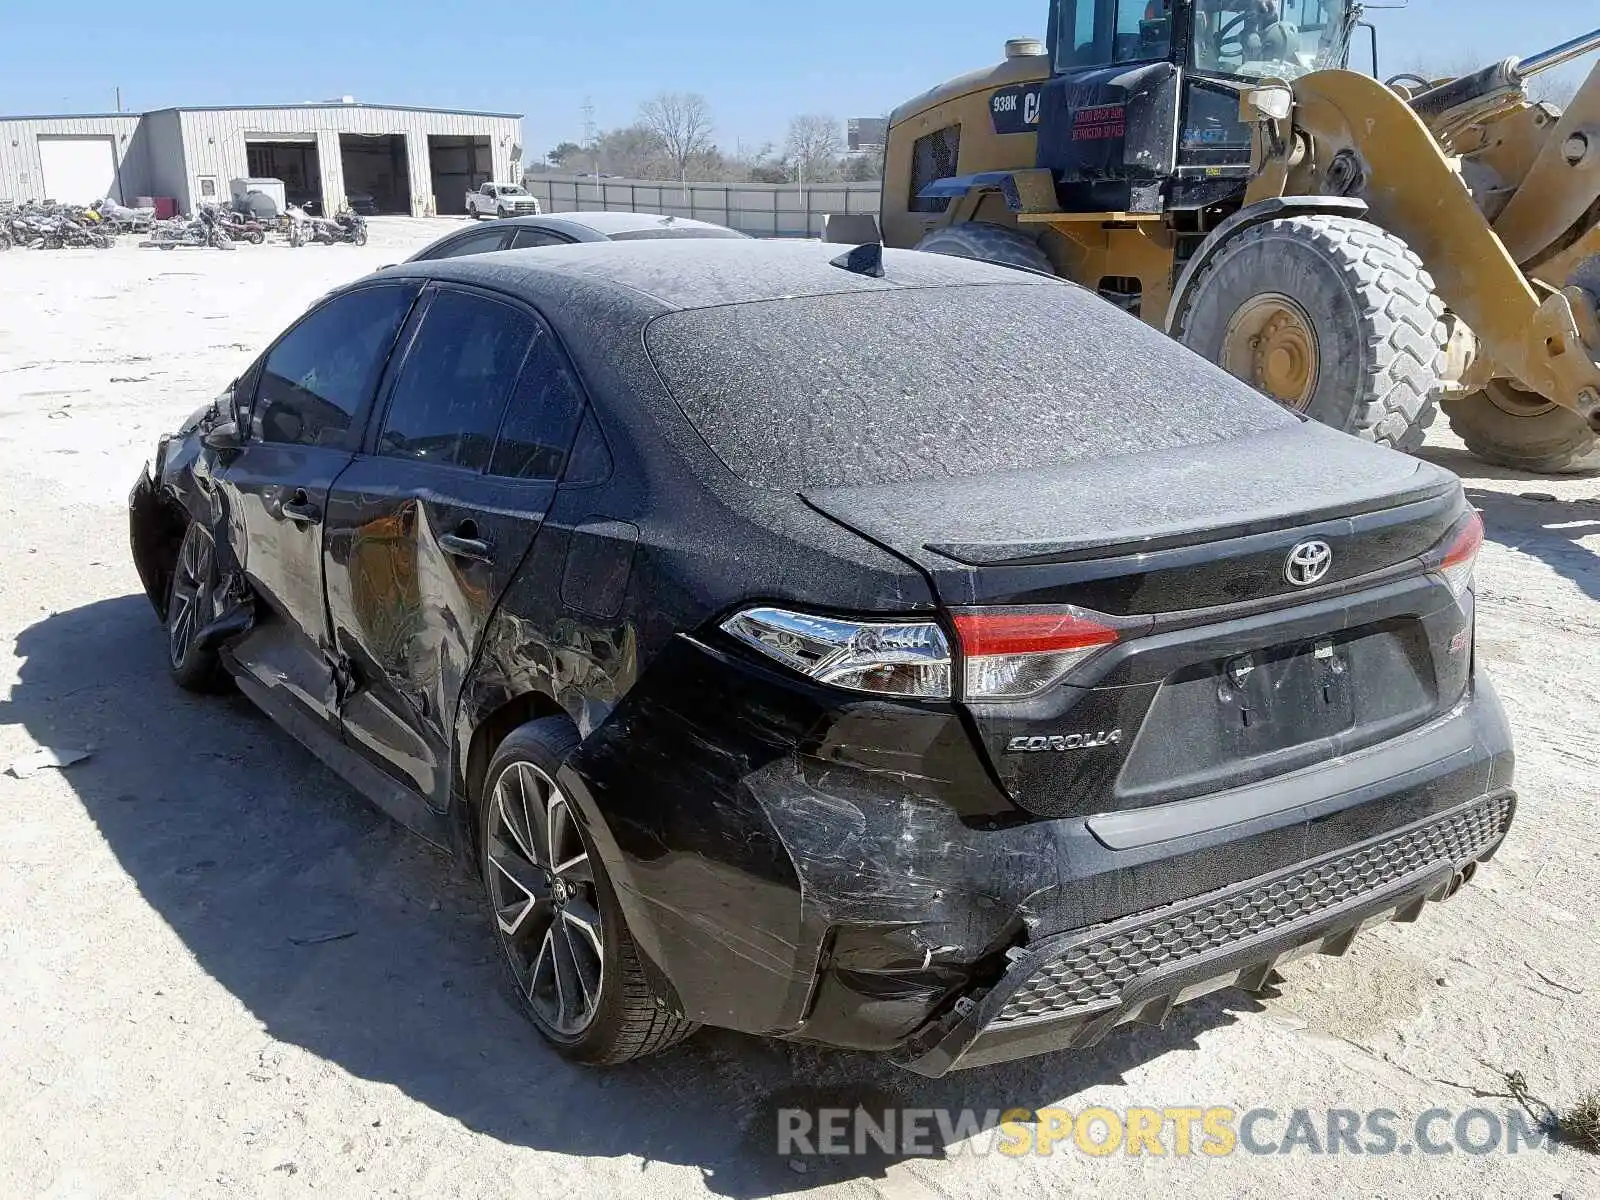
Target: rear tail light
1014,653
1460,553
1005,653
901,659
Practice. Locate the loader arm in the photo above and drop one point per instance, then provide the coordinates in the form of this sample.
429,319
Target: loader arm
1548,342
1559,196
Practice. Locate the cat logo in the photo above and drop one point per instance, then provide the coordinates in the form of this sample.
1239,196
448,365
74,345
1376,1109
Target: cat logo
1015,109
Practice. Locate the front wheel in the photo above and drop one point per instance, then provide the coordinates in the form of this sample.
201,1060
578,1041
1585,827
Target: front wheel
560,929
191,605
1509,427
1330,316
361,237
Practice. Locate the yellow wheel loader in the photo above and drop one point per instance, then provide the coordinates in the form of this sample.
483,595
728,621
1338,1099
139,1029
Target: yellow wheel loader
1361,251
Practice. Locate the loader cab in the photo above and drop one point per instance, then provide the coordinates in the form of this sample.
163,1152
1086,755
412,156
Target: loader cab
1141,112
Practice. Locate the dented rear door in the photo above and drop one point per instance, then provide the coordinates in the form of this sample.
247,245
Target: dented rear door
432,521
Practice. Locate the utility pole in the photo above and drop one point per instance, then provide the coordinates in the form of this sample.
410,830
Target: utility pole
591,137
118,90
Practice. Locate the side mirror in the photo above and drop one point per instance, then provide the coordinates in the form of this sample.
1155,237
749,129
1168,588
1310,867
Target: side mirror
224,438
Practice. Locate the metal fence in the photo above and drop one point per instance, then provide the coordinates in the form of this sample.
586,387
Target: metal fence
759,209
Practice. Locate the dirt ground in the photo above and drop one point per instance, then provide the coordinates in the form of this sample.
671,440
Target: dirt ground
175,1020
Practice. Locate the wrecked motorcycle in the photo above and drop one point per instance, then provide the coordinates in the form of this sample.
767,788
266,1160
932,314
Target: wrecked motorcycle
350,227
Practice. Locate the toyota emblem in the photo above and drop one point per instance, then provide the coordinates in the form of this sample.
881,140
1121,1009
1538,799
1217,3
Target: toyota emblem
1308,563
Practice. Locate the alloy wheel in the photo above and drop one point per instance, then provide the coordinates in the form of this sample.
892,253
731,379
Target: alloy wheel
542,888
191,593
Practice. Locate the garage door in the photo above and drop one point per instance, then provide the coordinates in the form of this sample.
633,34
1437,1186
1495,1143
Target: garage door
78,170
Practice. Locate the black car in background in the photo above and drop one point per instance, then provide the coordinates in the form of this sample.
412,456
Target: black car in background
937,662
567,229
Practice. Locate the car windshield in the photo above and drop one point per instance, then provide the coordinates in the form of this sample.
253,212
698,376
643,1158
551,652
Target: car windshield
1278,39
892,386
513,191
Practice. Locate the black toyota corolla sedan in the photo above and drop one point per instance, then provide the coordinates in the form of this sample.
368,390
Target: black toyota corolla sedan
894,652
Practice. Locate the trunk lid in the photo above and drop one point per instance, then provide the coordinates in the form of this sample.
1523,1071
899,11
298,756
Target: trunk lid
1022,537
1227,672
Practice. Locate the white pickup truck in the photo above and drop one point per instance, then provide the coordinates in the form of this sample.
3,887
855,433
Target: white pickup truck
501,200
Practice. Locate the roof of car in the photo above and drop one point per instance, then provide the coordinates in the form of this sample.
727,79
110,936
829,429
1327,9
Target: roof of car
701,273
610,223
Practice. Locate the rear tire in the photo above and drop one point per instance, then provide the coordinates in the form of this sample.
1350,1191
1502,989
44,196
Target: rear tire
543,878
1340,314
1509,427
986,242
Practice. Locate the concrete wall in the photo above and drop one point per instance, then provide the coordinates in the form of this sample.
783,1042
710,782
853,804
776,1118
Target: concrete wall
22,173
759,209
168,152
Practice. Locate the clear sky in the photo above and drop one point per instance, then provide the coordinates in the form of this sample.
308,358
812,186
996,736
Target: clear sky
758,62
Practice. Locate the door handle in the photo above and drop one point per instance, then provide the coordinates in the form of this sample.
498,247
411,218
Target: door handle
464,547
300,510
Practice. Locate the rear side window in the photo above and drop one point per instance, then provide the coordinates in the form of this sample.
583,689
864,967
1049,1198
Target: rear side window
890,386
541,419
479,243
316,381
527,239
448,398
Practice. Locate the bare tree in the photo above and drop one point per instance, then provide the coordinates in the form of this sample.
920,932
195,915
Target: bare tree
682,121
813,148
865,166
1554,88
565,155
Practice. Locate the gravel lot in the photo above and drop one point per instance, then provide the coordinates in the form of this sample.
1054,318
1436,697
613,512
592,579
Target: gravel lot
175,1022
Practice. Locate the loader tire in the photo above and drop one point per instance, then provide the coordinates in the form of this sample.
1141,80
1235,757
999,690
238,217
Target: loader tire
1509,427
1330,316
989,243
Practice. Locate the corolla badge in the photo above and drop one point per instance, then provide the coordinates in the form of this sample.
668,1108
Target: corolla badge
1308,563
1068,741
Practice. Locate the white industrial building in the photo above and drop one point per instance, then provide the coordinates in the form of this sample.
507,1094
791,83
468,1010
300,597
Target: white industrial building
411,161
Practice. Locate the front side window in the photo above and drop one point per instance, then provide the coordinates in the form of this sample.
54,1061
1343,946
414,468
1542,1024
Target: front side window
1278,39
317,380
448,397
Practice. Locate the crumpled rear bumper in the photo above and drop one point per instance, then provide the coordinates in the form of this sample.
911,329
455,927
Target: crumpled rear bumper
1068,991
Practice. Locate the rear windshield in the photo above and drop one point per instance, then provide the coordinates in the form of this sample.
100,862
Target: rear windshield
891,386
656,232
